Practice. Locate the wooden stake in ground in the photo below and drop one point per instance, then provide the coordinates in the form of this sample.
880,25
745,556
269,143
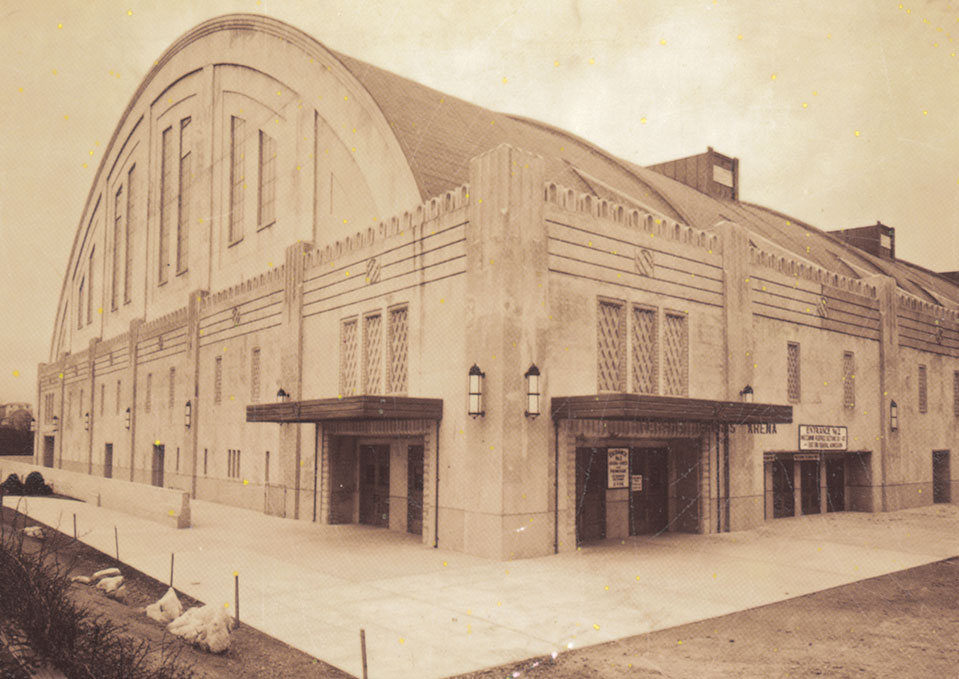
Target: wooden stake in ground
363,650
236,598
116,541
171,570
74,526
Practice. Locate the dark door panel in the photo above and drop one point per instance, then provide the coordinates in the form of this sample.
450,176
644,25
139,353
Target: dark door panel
590,494
375,485
414,490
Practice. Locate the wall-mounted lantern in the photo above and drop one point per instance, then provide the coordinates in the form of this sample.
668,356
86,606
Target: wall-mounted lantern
746,394
476,377
86,421
188,414
126,421
282,396
532,391
893,416
56,422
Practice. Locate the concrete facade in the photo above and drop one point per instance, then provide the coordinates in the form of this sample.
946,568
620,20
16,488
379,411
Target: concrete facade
270,222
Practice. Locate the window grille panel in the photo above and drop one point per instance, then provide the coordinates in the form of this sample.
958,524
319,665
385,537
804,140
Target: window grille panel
218,380
255,375
267,192
117,239
849,379
171,396
399,350
955,394
645,351
675,356
611,352
923,395
237,178
793,387
348,358
373,344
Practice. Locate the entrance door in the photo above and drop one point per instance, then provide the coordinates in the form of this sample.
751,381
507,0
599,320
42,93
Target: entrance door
590,494
649,483
158,453
809,486
414,490
784,503
375,485
835,484
941,491
108,461
48,451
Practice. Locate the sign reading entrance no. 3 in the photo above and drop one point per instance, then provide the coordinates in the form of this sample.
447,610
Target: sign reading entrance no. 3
617,468
822,437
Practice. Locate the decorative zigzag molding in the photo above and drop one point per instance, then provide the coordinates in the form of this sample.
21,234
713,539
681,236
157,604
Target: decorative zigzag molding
810,272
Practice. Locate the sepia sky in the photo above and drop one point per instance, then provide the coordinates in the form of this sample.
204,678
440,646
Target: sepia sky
839,116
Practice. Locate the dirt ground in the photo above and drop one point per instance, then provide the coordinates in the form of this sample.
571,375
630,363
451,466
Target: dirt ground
252,654
903,625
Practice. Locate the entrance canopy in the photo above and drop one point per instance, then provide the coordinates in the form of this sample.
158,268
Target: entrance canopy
348,408
645,407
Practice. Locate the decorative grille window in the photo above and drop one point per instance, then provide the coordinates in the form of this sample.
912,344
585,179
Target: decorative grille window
171,396
168,197
348,357
218,380
148,402
233,464
118,398
955,393
48,407
793,386
237,178
183,204
128,236
267,193
923,395
373,351
398,350
255,375
103,398
645,352
676,355
611,352
849,379
117,239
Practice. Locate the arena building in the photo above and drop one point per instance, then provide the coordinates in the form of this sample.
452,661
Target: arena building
307,286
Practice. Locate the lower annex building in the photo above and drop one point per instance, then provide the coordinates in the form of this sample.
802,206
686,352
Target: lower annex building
307,286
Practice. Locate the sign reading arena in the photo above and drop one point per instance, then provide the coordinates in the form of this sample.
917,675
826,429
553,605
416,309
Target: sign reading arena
822,437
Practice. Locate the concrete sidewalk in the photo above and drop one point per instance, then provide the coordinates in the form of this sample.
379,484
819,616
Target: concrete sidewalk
432,613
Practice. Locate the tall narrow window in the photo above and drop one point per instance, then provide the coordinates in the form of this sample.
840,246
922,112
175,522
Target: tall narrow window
237,178
118,398
131,216
266,212
645,352
168,200
373,353
218,380
103,398
183,204
205,452
255,375
80,403
117,251
91,292
923,394
148,401
81,291
849,379
611,349
675,355
348,357
793,385
266,469
171,396
398,350
955,393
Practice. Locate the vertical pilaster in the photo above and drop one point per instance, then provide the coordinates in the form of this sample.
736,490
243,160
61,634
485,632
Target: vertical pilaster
507,325
890,390
191,441
91,420
131,380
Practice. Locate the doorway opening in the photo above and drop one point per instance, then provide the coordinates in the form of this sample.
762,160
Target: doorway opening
108,461
941,482
48,443
835,484
809,485
375,485
157,470
590,494
414,489
784,499
648,491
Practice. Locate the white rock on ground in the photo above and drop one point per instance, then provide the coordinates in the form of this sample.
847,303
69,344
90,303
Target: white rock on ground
106,573
207,627
119,594
109,585
33,532
166,609
82,579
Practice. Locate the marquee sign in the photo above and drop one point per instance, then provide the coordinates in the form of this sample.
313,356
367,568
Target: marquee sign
822,437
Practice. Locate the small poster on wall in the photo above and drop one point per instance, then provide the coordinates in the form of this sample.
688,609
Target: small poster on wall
617,468
636,483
